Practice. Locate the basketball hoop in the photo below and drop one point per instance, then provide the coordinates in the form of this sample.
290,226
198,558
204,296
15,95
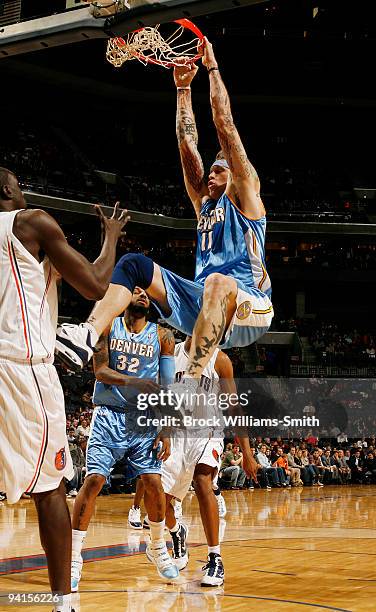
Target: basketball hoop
177,46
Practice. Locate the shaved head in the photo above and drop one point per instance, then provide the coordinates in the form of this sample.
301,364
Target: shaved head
11,196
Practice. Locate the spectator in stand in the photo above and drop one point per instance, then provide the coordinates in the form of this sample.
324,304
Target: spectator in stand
342,438
84,428
79,460
344,470
282,463
269,474
310,472
356,464
370,467
311,439
330,467
232,467
315,460
296,480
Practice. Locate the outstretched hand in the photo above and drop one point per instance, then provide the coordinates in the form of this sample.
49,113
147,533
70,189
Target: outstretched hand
205,49
184,74
113,225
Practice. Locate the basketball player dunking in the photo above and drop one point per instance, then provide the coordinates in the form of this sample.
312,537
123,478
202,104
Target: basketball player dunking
132,356
228,304
34,453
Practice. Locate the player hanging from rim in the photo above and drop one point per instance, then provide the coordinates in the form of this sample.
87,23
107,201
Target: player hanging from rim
34,453
131,355
228,304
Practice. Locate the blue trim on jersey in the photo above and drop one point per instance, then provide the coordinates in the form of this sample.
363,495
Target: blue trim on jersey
225,243
131,354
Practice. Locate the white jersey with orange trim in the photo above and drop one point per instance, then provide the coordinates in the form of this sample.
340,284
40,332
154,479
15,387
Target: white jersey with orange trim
28,300
203,444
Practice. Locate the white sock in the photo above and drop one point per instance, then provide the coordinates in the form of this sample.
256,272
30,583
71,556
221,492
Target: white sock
175,528
66,605
214,549
78,539
156,530
93,332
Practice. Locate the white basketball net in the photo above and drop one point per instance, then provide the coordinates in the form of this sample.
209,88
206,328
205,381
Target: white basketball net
149,46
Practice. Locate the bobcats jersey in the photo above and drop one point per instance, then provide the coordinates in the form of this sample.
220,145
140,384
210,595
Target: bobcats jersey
206,407
209,379
130,354
230,243
28,300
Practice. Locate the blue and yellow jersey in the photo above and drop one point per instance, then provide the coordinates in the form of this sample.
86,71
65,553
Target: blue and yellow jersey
231,244
130,354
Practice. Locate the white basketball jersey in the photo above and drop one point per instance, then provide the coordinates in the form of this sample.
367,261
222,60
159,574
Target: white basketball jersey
209,379
28,300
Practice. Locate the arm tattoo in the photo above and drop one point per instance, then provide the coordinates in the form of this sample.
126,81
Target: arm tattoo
228,135
101,352
167,339
186,132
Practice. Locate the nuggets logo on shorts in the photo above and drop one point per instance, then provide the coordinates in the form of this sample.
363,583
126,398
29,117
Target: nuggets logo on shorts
244,310
60,459
215,455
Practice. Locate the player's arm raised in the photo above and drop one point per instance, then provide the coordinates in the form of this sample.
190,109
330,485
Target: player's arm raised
244,187
187,135
38,231
225,371
105,374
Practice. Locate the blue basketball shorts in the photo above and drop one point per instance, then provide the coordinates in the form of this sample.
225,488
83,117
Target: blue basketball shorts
251,320
111,439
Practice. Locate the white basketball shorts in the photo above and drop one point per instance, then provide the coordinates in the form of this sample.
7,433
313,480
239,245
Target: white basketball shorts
186,453
34,451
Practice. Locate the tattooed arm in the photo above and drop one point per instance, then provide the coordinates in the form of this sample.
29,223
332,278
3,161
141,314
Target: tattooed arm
244,185
186,132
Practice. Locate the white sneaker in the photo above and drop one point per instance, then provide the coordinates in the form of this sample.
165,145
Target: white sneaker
76,571
178,509
134,518
73,493
157,553
75,345
221,506
214,573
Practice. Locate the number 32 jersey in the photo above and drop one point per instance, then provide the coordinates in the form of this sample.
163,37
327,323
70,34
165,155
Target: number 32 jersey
133,355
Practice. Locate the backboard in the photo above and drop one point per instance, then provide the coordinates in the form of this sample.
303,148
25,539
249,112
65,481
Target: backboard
103,20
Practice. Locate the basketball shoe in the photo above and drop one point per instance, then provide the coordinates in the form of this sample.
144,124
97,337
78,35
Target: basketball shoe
214,571
179,547
134,518
76,571
222,510
157,553
75,345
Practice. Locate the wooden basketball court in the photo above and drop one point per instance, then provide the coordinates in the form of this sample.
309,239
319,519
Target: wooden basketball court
298,549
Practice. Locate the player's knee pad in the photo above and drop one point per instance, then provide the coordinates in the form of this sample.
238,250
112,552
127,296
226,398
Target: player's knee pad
133,269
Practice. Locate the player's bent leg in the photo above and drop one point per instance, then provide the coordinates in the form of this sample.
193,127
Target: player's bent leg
155,504
75,343
203,482
218,307
55,535
82,512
